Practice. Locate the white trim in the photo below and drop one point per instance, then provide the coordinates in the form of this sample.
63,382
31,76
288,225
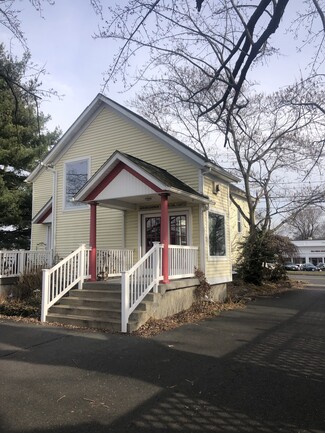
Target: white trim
80,206
220,280
202,214
226,256
156,213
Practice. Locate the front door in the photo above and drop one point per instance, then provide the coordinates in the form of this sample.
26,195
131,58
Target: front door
178,230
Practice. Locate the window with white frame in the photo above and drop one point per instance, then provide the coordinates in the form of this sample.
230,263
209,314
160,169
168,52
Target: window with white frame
76,175
217,235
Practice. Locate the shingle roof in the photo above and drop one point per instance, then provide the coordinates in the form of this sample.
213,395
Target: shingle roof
163,175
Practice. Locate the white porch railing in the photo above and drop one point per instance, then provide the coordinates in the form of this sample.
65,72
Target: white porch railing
138,282
16,262
146,274
182,260
113,262
58,280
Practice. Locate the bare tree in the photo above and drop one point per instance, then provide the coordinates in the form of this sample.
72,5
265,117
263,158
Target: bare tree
222,42
307,224
271,144
31,86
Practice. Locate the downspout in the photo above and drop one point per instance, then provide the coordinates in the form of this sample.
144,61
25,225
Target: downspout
54,205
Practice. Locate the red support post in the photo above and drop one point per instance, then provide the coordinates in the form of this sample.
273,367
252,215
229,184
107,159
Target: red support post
164,236
92,242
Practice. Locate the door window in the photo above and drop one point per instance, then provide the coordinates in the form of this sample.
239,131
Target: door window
177,230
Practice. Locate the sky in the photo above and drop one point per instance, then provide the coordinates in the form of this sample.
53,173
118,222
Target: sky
61,41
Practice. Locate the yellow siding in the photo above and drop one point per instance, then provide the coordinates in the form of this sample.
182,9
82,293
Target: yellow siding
132,232
235,237
42,192
218,269
109,132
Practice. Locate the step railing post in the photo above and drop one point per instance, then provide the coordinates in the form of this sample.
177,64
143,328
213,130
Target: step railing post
45,294
156,266
82,266
125,300
20,266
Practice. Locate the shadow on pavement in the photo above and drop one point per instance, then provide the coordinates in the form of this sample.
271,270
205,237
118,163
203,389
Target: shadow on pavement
258,370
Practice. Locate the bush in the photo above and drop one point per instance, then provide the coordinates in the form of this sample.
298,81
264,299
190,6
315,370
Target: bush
29,286
28,300
258,249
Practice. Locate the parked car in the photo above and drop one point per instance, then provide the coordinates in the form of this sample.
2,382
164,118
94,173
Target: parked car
309,267
291,267
321,266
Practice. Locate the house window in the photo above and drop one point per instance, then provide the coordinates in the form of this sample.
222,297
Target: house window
217,235
239,221
178,230
76,175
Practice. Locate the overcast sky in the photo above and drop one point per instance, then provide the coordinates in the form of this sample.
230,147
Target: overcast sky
62,42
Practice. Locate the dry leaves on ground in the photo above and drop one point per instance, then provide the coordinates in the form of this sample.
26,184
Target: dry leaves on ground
238,295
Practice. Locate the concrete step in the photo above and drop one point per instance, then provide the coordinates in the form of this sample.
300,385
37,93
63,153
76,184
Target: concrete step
103,285
90,302
82,322
95,294
86,312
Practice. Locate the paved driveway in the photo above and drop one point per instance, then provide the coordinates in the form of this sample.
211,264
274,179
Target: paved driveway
256,370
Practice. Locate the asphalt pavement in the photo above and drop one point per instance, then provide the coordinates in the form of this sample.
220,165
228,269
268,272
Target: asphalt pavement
260,369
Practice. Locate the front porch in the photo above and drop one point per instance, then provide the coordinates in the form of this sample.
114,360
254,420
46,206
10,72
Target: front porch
120,300
135,283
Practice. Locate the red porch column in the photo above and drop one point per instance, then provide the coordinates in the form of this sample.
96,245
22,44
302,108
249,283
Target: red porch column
164,236
92,242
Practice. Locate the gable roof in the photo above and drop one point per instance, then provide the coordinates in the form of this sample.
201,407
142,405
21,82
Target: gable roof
90,113
156,180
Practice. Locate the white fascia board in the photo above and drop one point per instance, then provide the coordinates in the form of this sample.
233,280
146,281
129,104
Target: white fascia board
221,173
189,195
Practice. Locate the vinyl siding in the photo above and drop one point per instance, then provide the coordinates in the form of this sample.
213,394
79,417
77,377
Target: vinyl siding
217,269
42,192
235,237
106,133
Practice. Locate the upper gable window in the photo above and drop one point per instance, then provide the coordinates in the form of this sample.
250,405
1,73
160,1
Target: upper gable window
76,175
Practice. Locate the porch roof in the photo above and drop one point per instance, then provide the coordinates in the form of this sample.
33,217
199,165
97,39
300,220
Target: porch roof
44,215
125,182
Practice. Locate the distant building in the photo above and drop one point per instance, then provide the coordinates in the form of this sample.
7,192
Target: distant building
310,251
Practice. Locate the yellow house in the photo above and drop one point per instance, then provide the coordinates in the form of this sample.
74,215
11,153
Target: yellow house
118,197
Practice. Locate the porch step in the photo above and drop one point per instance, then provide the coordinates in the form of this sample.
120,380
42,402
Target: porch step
98,306
85,322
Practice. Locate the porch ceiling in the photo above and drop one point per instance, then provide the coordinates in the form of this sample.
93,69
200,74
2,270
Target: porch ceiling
125,182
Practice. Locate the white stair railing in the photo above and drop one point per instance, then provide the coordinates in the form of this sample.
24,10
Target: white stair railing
57,281
138,282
